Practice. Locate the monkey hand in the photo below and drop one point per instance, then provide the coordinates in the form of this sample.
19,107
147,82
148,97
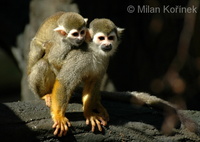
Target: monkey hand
47,99
60,125
97,116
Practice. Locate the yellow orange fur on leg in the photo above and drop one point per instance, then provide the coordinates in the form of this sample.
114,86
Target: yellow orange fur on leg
61,123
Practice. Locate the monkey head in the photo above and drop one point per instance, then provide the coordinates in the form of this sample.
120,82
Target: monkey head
105,36
71,28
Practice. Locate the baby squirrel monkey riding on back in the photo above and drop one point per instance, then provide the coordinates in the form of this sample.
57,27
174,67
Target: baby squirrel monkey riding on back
87,63
59,34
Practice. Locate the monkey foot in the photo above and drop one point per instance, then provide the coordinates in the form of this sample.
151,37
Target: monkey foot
97,117
96,121
61,125
47,99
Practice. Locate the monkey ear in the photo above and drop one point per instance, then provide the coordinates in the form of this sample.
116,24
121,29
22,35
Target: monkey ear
120,31
90,31
88,36
86,19
61,30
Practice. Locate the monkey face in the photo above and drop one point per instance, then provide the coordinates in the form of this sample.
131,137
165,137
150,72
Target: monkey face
106,43
74,37
105,36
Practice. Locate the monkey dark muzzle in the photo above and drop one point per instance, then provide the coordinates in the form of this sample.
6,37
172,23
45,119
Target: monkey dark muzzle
106,48
79,41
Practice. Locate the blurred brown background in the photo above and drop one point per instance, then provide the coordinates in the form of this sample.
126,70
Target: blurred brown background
159,53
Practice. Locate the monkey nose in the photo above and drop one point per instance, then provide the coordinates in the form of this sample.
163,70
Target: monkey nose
106,48
79,41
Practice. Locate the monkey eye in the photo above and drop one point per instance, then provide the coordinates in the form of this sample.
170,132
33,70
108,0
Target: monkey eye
62,32
111,38
82,32
101,38
75,34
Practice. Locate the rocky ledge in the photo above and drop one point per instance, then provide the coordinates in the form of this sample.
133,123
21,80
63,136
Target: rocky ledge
31,121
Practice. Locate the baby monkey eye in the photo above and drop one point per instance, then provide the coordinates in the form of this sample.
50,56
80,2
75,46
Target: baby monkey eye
101,38
111,38
75,34
82,32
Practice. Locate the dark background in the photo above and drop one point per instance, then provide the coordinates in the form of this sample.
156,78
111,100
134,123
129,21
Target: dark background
159,52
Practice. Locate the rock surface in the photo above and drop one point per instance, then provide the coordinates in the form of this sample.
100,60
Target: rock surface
31,121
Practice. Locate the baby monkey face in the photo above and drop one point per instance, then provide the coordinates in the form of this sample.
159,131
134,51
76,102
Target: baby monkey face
75,37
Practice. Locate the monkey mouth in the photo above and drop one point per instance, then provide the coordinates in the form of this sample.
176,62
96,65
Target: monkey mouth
79,42
106,48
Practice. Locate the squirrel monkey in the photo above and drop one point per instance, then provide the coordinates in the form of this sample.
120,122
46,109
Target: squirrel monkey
58,35
87,64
